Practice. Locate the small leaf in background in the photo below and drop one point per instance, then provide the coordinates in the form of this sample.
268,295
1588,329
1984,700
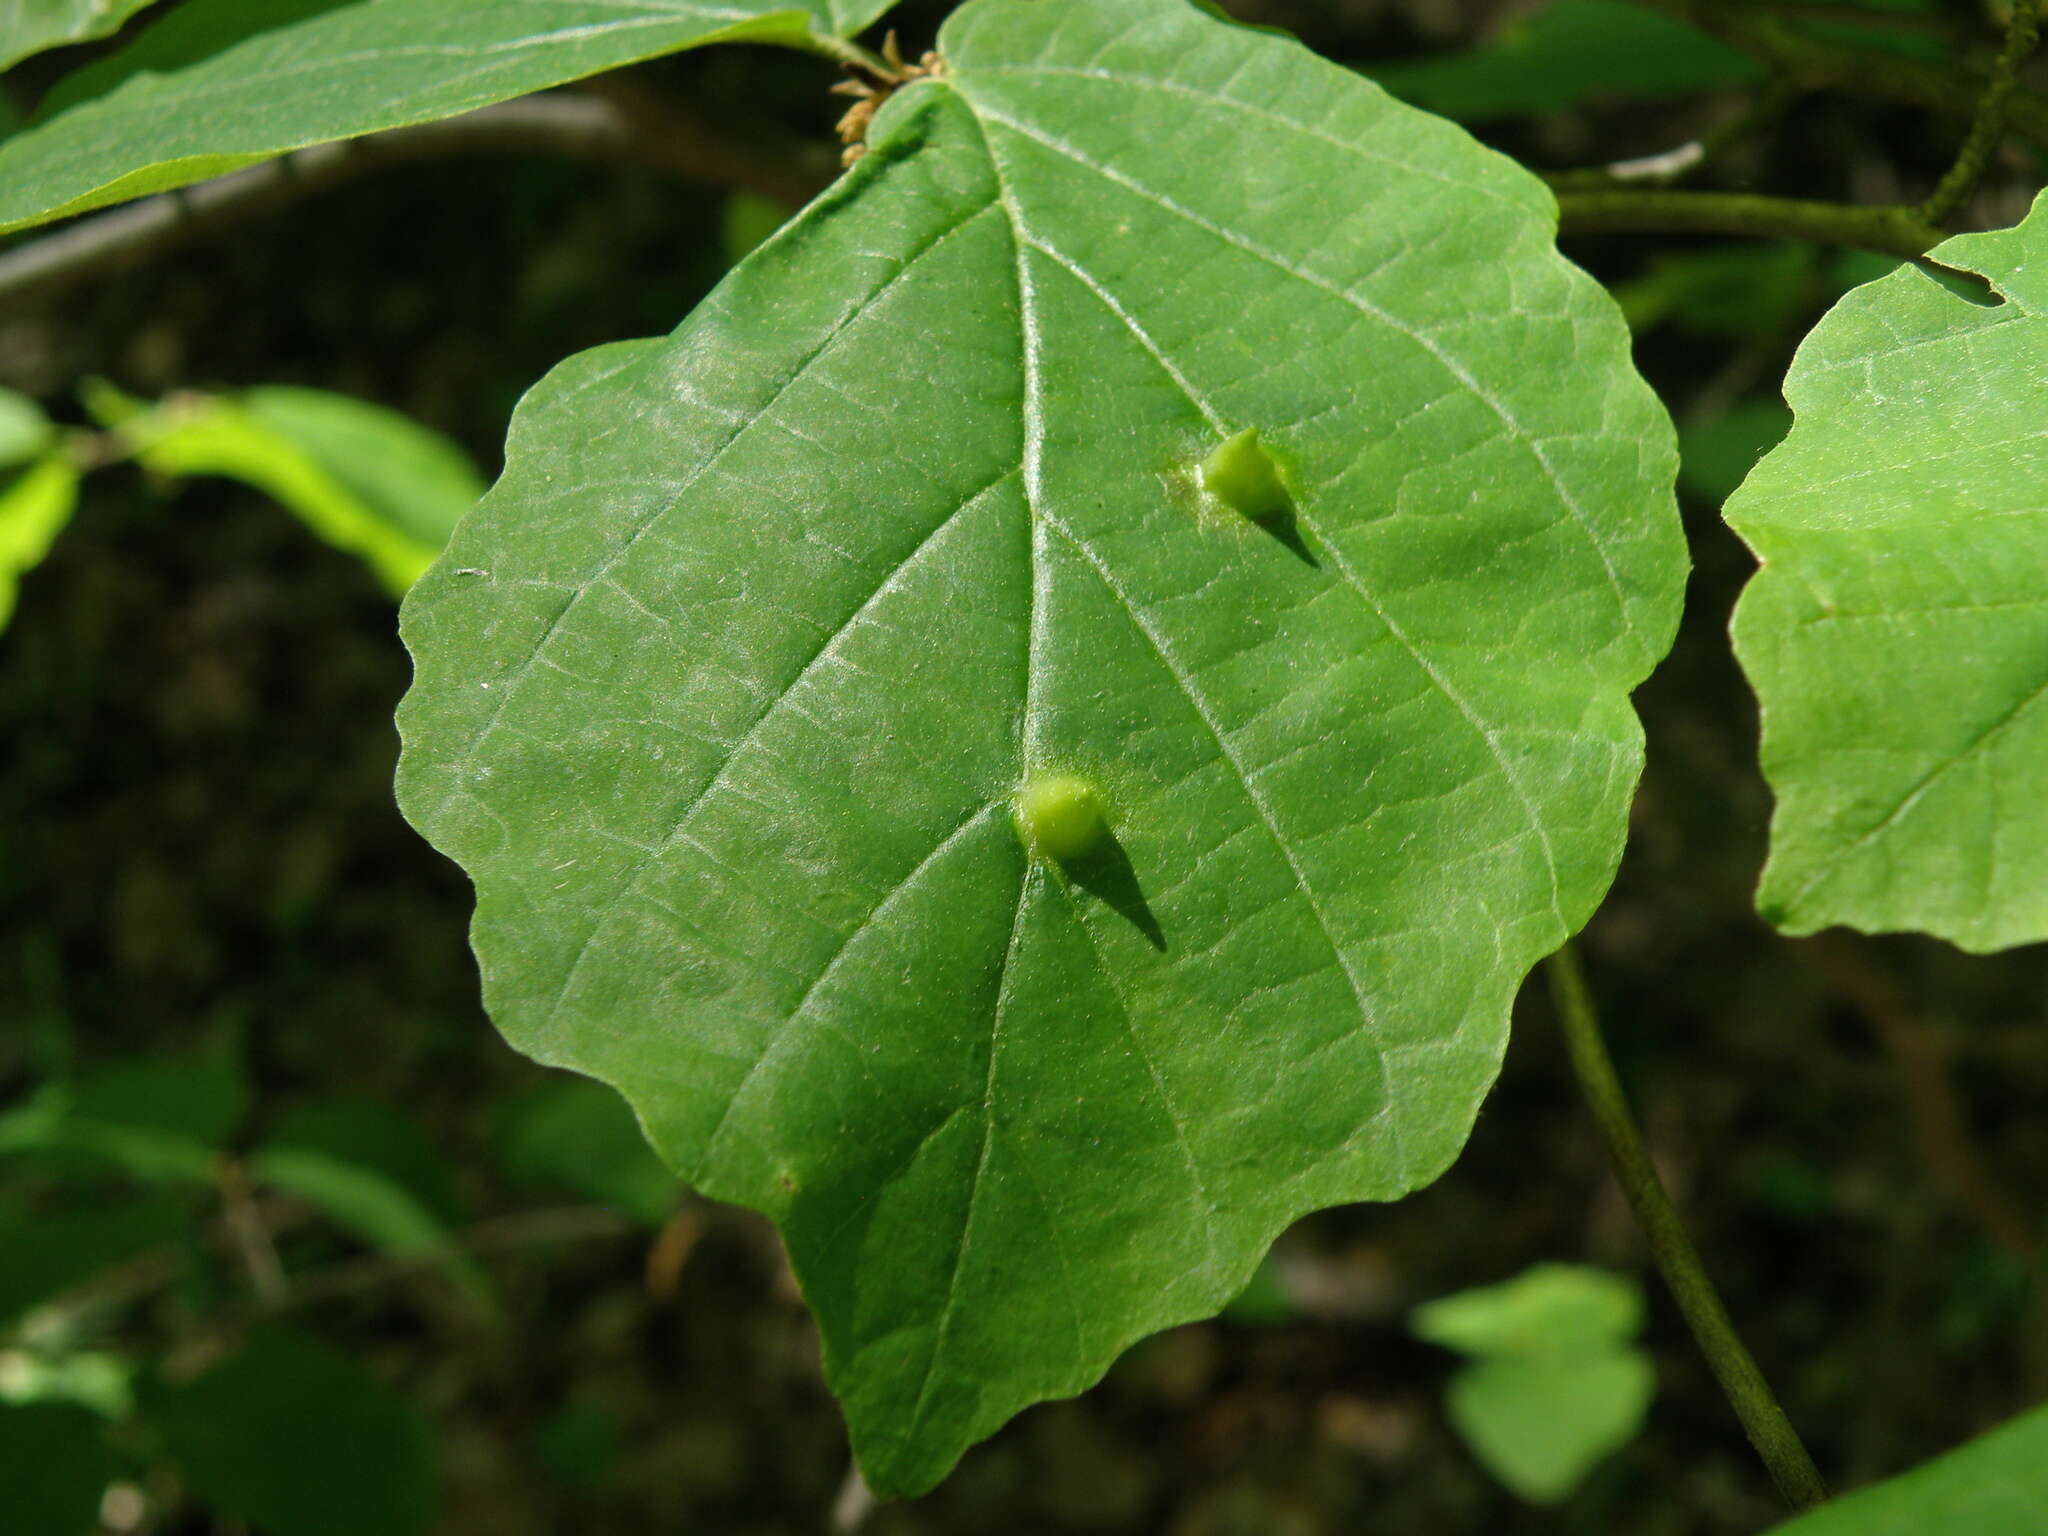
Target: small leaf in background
750,219
1895,632
578,1446
34,508
390,528
1737,291
364,1201
574,1134
1541,1425
103,1382
1568,52
31,26
409,475
55,1464
42,1254
373,1134
1997,1485
24,430
298,1440
1554,1383
1716,455
161,1119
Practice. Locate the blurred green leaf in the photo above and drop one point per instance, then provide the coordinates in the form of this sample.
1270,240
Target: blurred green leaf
1550,1311
43,1254
1997,1485
30,26
55,1465
298,1440
1716,455
578,1135
87,1379
1741,291
1541,1425
1568,52
25,432
33,511
750,219
578,1447
408,475
367,1203
163,1119
207,435
373,1134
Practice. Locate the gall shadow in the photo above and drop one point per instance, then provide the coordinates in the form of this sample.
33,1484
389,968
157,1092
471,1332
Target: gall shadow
1285,529
1105,873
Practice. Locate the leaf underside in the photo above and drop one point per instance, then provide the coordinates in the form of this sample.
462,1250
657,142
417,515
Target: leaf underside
361,69
723,693
1897,633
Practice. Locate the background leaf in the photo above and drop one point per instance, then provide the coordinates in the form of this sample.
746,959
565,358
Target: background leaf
578,1135
25,432
354,70
723,693
1550,1309
30,26
1565,53
55,1464
34,508
300,1441
1895,635
1540,1425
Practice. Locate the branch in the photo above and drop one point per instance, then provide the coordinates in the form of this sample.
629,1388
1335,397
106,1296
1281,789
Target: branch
1893,231
651,132
2022,32
1776,1441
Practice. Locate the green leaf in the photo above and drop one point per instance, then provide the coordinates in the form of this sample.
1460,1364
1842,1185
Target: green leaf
33,511
300,1441
1717,455
43,1254
1570,51
404,474
55,1465
360,69
374,1207
30,26
161,1119
205,435
1540,1425
579,1135
1992,1486
1897,631
374,1134
1550,1310
724,693
25,432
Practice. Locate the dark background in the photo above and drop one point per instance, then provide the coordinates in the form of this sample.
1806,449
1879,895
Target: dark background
199,851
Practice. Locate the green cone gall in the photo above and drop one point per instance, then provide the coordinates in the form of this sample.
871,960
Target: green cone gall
1242,475
1060,816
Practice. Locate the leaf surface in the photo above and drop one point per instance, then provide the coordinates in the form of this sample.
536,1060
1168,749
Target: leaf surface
724,692
361,69
1993,1484
1897,633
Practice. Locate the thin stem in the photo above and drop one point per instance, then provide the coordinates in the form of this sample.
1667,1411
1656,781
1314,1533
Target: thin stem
1791,1468
1892,231
1987,127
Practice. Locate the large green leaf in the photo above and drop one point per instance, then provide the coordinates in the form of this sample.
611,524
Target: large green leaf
1997,1485
356,70
30,26
723,693
1897,634
55,1464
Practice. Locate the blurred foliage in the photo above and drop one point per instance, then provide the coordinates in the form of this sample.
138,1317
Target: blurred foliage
203,884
